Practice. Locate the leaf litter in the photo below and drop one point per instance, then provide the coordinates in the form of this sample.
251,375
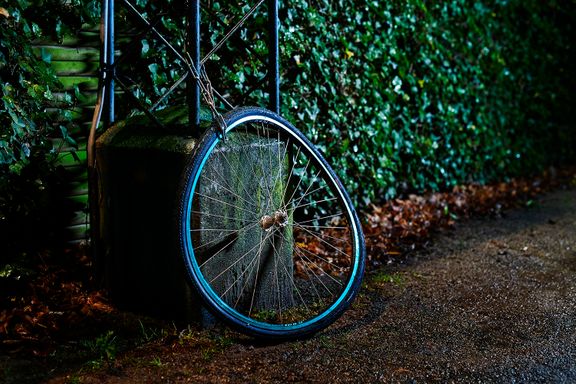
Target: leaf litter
61,301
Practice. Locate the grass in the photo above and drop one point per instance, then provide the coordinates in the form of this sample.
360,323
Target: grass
382,277
156,362
218,344
148,334
103,347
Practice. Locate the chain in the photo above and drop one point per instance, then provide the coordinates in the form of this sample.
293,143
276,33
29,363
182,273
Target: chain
207,92
200,75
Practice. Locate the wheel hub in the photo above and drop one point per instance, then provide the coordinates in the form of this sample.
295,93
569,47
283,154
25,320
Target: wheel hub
277,219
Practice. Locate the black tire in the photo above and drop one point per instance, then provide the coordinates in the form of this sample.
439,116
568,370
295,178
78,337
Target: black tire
268,235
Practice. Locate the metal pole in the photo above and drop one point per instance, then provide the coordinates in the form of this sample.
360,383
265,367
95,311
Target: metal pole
193,45
109,65
273,66
102,103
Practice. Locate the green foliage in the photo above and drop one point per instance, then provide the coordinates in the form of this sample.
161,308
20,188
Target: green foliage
415,95
33,111
103,348
403,95
28,84
27,88
156,362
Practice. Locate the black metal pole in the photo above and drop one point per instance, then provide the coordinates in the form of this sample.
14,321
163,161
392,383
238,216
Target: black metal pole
193,45
273,66
109,65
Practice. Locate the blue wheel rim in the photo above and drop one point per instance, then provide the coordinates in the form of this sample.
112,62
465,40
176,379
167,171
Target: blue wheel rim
212,297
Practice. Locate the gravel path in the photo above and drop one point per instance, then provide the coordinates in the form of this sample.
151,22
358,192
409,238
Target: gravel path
492,301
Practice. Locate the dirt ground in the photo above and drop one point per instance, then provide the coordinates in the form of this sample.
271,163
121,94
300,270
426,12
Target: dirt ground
493,300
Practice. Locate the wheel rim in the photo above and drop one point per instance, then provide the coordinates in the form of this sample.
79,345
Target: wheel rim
270,238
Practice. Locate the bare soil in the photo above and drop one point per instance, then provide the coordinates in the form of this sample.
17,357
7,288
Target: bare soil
493,300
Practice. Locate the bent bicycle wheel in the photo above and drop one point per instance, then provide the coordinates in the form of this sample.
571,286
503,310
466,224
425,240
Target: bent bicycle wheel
269,236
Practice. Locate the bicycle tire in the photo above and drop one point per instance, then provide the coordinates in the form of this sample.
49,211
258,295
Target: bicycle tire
266,249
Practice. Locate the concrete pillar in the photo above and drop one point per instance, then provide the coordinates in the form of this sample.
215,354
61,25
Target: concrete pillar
139,171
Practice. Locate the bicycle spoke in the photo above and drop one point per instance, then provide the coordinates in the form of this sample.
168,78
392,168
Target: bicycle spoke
280,161
315,275
216,240
309,193
314,233
271,191
233,264
259,255
310,277
321,226
327,243
252,203
219,216
233,284
213,229
318,277
223,202
267,188
278,249
300,180
242,274
313,202
238,179
298,292
316,256
309,186
339,214
290,175
277,279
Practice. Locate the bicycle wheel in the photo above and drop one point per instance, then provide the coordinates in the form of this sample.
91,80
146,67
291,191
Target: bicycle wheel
268,234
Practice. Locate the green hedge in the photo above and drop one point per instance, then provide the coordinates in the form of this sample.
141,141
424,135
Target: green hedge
423,95
33,111
401,96
404,95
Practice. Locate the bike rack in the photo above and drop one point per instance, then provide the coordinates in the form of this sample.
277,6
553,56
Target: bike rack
108,78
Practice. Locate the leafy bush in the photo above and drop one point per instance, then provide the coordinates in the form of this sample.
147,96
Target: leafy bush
416,95
29,87
403,95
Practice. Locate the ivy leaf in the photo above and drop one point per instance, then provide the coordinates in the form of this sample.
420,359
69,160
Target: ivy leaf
67,137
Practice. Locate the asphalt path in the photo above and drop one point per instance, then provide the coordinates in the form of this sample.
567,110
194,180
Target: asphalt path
493,300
